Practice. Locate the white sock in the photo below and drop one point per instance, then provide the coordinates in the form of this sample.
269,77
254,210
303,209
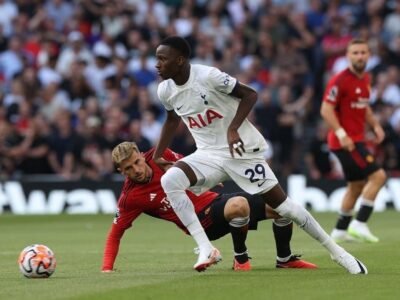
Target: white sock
346,213
283,259
199,235
174,183
367,202
356,223
306,221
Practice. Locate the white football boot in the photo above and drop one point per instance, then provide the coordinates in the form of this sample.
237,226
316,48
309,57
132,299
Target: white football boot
207,259
361,231
342,236
350,263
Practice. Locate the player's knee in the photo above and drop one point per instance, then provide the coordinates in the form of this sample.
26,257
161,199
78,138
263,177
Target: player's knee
237,207
379,177
174,180
291,210
166,182
237,212
270,213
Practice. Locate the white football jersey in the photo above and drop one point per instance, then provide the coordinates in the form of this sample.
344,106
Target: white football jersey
207,109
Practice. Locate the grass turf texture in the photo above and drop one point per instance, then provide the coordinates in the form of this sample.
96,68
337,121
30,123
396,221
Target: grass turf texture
155,262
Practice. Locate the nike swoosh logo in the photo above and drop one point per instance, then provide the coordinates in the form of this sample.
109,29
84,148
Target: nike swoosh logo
260,184
178,108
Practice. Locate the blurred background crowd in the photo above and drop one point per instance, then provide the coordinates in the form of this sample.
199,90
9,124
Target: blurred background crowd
78,77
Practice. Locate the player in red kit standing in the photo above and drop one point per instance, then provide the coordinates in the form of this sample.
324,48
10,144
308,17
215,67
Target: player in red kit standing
219,214
346,109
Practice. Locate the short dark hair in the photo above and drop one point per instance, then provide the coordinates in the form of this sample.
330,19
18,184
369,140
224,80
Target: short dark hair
178,43
357,41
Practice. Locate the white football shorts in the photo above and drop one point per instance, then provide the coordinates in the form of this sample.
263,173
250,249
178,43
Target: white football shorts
251,172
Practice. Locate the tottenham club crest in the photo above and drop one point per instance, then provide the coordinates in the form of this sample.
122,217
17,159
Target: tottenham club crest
203,96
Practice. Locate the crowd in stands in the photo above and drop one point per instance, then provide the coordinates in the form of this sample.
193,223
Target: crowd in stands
78,77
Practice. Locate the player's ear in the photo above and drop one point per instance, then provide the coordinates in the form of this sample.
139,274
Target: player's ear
181,60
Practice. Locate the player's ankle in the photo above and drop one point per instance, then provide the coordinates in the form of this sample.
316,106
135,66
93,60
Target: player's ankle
205,248
242,257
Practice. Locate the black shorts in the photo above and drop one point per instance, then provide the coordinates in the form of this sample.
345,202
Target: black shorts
213,220
357,164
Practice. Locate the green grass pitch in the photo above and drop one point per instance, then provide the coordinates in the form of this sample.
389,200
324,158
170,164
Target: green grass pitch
156,259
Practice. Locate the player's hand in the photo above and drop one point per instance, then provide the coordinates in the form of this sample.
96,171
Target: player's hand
379,134
235,143
347,143
163,163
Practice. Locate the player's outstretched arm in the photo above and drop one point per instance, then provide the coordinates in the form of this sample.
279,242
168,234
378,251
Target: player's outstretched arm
111,248
122,221
167,133
248,98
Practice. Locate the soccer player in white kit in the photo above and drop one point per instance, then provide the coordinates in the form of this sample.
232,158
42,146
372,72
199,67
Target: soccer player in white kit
214,107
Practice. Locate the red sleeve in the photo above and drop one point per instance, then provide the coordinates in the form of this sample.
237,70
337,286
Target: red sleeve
171,155
122,221
332,92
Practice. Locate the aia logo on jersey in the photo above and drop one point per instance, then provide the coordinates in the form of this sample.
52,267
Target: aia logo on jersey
203,120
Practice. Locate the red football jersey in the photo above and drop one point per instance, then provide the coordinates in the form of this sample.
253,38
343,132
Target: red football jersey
148,198
349,95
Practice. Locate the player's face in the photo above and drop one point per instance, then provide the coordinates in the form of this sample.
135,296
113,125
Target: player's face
168,62
358,55
136,168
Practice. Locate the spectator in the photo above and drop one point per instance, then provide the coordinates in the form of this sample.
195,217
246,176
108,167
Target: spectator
151,7
95,162
151,129
135,135
75,51
36,143
386,89
53,100
111,20
392,23
65,147
102,68
334,44
8,12
59,11
77,86
11,152
12,60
